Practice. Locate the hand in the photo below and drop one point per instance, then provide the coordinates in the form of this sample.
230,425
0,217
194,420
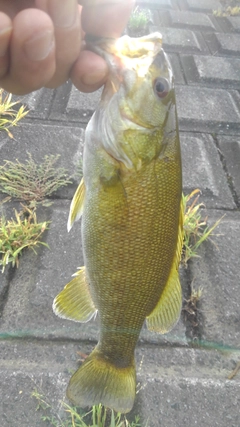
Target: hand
42,42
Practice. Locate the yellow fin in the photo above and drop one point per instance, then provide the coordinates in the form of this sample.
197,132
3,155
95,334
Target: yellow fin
168,309
75,302
99,381
76,207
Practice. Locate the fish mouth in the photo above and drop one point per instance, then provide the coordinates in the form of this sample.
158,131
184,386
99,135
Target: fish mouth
126,52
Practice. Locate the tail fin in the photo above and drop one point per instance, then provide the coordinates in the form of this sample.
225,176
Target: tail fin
99,381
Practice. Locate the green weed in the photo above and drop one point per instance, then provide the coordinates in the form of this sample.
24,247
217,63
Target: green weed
195,229
138,20
31,182
9,117
16,235
98,415
227,11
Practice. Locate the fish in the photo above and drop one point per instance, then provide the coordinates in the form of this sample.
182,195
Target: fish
132,219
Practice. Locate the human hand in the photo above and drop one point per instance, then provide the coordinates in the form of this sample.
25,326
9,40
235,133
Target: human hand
42,42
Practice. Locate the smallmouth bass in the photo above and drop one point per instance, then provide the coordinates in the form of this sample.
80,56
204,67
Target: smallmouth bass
132,219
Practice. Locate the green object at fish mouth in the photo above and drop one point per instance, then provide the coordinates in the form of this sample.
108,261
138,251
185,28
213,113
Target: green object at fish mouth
132,218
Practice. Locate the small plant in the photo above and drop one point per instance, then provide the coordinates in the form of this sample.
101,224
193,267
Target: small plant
138,20
8,116
195,229
98,415
190,307
30,182
16,235
227,11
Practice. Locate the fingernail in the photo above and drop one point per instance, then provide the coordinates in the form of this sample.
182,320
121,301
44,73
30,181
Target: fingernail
39,47
93,78
63,12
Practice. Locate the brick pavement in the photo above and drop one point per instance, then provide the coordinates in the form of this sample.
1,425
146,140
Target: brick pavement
181,383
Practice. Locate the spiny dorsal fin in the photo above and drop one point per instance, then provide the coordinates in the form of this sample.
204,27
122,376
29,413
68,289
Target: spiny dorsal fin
76,207
75,302
168,309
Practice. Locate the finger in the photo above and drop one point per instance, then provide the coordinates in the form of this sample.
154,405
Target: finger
89,72
32,52
65,16
105,18
5,36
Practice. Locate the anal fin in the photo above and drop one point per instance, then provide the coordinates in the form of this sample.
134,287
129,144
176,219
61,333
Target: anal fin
74,302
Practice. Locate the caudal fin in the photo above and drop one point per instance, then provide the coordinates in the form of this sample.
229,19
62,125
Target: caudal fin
99,381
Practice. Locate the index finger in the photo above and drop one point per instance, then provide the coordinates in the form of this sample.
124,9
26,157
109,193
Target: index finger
105,18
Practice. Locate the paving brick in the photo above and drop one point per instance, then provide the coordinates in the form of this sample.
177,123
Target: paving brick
192,20
234,23
202,169
212,71
207,110
203,5
230,148
165,4
229,24
72,106
217,272
177,68
223,44
81,105
38,103
187,386
182,41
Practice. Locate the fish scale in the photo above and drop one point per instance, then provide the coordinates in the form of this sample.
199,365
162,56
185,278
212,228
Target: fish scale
130,202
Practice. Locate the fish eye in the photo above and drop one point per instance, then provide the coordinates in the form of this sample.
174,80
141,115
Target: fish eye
161,87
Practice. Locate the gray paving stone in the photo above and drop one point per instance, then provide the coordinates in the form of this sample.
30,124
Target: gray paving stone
81,105
192,20
230,148
165,4
207,110
38,103
203,5
182,41
202,169
234,22
187,386
223,44
217,272
177,68
212,71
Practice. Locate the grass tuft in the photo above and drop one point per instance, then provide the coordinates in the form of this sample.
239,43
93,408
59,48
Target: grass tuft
138,20
9,117
195,229
31,182
16,235
98,416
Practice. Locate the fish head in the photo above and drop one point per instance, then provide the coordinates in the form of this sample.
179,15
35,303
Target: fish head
138,95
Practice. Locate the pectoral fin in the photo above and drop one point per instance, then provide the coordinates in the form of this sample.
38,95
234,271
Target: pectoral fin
76,207
168,309
75,302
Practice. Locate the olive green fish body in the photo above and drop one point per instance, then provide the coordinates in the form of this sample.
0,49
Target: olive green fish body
130,203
